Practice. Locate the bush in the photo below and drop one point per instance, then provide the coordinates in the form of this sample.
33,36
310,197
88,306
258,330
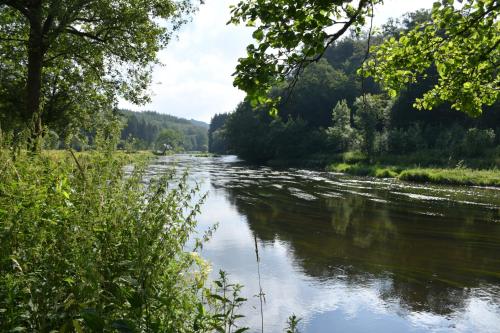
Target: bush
86,247
449,139
372,118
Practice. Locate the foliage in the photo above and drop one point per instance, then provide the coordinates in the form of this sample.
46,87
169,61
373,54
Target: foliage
248,134
462,42
145,127
226,301
217,142
477,141
341,135
289,35
87,246
308,133
169,139
406,140
73,58
372,117
292,324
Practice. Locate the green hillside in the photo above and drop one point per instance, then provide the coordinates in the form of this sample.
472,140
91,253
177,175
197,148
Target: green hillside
148,130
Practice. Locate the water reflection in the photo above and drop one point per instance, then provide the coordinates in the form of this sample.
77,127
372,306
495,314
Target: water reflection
351,254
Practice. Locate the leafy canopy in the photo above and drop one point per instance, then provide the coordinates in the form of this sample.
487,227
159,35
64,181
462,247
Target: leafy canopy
464,46
289,35
91,52
461,41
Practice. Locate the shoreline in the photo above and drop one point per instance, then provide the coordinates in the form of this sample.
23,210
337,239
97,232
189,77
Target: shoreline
431,175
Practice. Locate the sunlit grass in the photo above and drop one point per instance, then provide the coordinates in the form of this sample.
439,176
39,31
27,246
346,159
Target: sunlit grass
455,176
458,176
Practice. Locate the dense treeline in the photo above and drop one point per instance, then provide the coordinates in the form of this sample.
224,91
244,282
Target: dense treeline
139,131
151,130
216,135
332,111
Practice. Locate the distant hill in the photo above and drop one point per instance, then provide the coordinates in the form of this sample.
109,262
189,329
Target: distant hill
199,123
145,127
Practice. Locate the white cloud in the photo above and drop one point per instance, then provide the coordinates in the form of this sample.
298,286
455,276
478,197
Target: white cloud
396,8
196,82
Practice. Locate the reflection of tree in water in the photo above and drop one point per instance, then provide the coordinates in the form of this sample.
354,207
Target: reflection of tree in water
430,261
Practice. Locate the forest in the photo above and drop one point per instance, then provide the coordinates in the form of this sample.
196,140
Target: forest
151,130
335,117
141,131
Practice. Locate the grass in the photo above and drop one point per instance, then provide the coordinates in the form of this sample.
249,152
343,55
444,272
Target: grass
447,176
422,167
364,170
458,176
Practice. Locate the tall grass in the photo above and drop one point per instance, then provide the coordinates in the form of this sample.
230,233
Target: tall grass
86,248
457,176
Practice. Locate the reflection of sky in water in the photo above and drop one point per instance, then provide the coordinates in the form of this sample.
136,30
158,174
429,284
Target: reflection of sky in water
336,303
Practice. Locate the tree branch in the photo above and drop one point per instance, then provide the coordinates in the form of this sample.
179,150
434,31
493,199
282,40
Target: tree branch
331,39
73,31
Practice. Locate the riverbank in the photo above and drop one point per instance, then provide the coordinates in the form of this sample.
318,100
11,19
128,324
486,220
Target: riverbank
447,176
423,167
124,156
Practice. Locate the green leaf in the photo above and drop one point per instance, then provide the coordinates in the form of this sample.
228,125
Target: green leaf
241,330
258,34
77,326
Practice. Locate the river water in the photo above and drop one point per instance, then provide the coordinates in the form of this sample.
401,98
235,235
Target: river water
349,254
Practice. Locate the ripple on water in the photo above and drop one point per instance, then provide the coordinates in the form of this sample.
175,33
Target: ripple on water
420,196
301,194
346,262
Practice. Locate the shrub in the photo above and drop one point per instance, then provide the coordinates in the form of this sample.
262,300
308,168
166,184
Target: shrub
86,247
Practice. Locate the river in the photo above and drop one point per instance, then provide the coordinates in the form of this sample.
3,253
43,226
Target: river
350,254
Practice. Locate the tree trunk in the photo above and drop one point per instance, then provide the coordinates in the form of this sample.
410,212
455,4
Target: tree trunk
33,112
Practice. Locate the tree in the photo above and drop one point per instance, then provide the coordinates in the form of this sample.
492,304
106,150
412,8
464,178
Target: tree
462,42
341,135
104,47
290,34
317,91
216,137
248,134
169,138
372,117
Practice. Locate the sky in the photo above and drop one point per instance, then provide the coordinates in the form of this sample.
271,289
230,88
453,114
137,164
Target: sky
195,79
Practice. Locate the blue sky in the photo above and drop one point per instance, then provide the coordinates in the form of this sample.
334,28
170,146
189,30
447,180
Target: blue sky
195,78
